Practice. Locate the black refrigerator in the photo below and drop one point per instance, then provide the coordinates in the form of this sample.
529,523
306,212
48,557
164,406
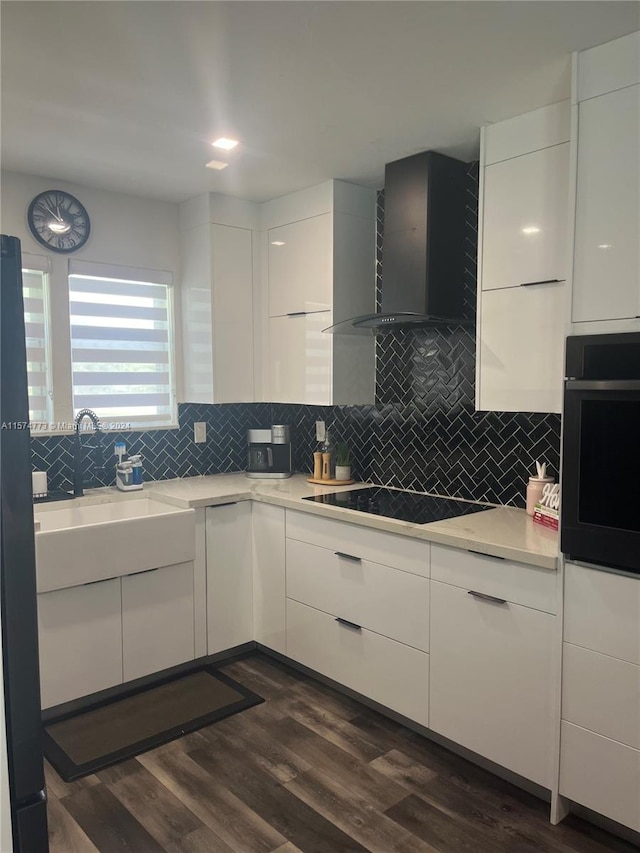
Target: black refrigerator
18,571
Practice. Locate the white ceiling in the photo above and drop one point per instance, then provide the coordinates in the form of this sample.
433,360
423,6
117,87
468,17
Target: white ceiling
128,95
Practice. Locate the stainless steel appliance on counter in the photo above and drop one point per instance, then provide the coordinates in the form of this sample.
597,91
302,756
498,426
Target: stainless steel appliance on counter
600,517
20,669
269,453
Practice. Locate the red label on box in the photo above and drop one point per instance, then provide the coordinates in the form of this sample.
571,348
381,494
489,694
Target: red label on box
545,518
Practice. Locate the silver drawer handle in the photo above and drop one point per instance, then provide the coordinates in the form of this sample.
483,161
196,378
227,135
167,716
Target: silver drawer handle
348,557
486,597
348,624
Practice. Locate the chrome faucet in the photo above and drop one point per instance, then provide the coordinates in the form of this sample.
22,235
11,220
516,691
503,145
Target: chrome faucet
78,447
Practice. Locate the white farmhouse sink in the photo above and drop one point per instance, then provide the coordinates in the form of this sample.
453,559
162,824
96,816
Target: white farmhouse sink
84,544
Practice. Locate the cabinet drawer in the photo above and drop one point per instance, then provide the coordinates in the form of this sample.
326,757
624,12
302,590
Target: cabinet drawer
602,612
400,552
527,585
491,679
601,774
381,599
395,675
602,694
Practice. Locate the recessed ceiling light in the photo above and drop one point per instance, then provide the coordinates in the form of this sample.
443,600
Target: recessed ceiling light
217,164
604,245
225,143
531,229
277,242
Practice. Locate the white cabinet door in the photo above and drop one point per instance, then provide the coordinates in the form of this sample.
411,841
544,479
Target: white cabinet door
157,620
524,236
229,576
300,359
607,261
269,576
301,266
232,307
491,679
80,637
217,312
521,349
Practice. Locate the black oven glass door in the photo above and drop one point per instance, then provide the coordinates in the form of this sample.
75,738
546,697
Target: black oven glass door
601,477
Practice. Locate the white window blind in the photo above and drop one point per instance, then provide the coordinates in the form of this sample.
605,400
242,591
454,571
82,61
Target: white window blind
35,282
122,344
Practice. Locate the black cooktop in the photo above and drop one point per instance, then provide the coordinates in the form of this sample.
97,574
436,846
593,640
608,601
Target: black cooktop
394,503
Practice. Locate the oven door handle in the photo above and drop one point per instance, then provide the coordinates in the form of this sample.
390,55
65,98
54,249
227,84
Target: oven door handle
602,384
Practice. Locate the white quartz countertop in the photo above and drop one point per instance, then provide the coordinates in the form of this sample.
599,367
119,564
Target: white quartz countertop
501,532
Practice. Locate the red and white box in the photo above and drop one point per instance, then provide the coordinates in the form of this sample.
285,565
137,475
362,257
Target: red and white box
545,516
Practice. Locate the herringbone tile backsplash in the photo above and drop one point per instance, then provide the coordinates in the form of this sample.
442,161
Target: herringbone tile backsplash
423,433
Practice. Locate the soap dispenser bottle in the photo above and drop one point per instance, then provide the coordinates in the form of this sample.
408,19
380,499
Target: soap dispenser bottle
136,464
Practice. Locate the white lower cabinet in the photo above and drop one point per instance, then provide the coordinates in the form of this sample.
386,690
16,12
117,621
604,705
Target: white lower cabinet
379,598
602,694
602,612
388,672
269,576
601,774
229,576
491,679
80,636
362,623
157,620
600,732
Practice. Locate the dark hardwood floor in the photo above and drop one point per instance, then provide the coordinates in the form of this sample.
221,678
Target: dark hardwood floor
309,770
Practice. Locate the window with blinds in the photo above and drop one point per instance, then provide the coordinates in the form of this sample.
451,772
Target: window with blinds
36,323
122,344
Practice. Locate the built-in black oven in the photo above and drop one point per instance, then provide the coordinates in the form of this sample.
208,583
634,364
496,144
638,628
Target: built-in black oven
601,451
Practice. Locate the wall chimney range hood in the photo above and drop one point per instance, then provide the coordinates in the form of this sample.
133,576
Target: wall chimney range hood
423,246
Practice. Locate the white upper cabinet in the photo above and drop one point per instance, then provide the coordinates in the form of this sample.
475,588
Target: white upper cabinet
521,349
525,219
522,261
300,267
319,254
607,260
217,256
300,358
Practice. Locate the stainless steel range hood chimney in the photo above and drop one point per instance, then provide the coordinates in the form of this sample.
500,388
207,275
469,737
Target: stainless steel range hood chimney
423,246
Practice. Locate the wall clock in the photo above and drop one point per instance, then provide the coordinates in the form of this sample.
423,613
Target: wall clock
59,221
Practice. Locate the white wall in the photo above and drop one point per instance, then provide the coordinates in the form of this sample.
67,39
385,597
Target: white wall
125,230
